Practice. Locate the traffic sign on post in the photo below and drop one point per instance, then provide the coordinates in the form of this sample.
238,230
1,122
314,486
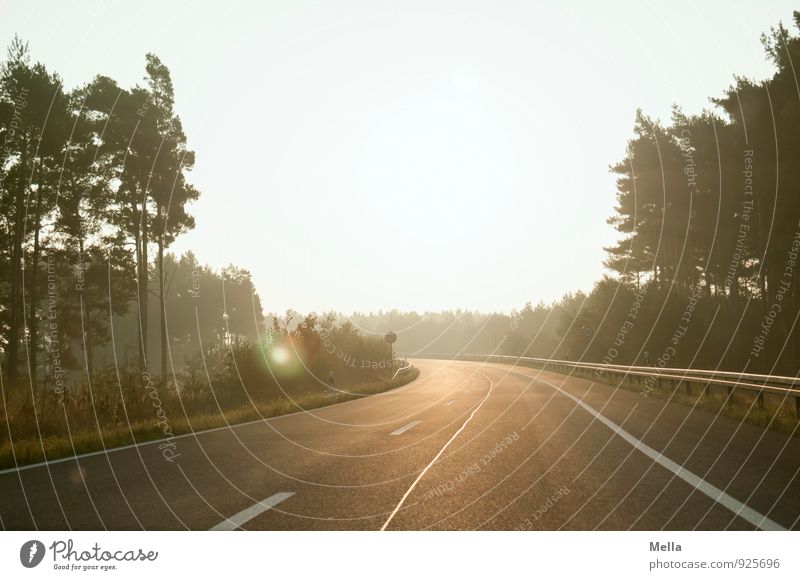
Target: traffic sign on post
391,337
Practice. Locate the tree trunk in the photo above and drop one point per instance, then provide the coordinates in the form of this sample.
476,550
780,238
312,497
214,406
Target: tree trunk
145,286
16,270
137,254
86,312
162,307
142,282
33,323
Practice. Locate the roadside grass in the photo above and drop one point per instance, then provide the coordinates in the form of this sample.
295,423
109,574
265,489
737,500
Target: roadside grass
741,409
740,406
35,450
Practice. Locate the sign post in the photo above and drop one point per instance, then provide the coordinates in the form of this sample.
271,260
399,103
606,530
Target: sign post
391,337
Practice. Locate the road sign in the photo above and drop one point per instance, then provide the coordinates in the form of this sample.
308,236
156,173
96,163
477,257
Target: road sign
391,337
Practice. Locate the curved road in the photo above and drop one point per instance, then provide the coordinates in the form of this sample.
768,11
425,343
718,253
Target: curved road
465,446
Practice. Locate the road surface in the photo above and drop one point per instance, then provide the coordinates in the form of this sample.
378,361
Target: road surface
465,446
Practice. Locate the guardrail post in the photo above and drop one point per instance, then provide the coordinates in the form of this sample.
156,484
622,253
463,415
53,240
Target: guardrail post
654,378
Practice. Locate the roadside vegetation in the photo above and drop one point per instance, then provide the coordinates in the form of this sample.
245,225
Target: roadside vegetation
107,338
288,371
183,415
773,411
99,320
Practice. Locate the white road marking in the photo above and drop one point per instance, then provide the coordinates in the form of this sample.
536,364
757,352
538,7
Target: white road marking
245,516
229,427
448,403
438,455
701,485
405,428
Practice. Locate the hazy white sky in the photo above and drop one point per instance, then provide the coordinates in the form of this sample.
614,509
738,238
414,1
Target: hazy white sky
412,155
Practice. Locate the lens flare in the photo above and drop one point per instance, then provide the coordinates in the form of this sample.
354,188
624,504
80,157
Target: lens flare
281,355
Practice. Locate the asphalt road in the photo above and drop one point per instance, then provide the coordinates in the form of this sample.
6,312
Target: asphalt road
465,446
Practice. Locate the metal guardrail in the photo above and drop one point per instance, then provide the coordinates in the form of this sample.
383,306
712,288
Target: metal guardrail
402,369
688,378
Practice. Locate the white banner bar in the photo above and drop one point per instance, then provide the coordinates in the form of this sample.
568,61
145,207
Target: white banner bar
401,555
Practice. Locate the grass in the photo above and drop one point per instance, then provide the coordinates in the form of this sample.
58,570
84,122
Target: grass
739,407
36,450
776,419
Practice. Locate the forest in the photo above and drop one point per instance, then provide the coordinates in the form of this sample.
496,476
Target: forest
95,188
705,273
97,316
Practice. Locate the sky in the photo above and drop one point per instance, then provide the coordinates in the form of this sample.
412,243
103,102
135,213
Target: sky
365,156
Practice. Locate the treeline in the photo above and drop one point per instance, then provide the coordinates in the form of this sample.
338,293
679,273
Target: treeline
307,349
106,337
706,269
93,191
529,331
204,309
706,272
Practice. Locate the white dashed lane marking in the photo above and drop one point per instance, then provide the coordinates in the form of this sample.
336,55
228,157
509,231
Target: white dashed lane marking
245,516
405,428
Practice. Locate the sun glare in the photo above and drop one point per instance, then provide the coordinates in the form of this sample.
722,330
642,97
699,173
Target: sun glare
280,355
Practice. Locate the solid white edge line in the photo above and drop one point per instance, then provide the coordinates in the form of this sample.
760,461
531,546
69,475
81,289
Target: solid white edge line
244,516
110,450
405,428
701,485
